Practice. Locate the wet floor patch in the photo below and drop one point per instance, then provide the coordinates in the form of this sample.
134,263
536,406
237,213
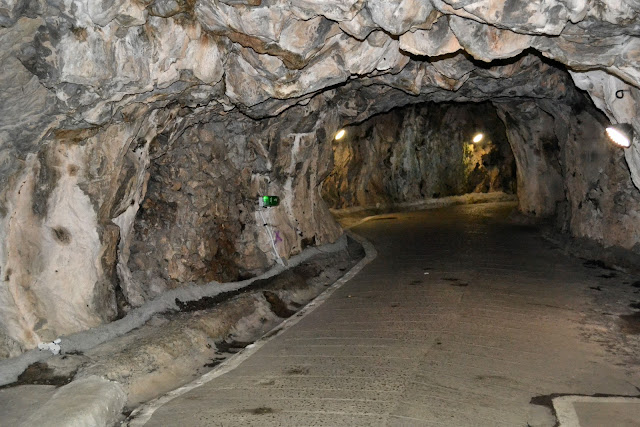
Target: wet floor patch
460,285
607,275
630,323
231,346
595,288
40,373
297,370
416,283
595,263
450,279
262,410
385,218
294,278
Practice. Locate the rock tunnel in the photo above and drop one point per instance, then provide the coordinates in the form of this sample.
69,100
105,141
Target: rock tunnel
136,137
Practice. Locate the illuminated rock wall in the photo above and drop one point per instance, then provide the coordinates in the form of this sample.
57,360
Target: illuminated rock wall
420,152
89,88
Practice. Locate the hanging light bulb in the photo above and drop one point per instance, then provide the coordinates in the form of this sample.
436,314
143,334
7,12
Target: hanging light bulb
340,134
477,138
620,134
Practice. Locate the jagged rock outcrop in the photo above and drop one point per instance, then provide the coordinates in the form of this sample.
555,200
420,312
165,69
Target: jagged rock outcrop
420,152
530,131
89,88
200,220
567,169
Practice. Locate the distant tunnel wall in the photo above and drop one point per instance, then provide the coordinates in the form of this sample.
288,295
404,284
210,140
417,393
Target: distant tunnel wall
569,171
418,152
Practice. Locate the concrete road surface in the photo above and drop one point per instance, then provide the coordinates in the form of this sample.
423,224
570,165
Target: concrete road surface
461,320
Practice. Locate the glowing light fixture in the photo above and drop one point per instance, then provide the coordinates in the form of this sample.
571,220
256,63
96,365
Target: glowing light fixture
621,134
340,134
478,138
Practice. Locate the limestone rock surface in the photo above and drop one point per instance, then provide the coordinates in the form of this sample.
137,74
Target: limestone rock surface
245,96
420,152
200,220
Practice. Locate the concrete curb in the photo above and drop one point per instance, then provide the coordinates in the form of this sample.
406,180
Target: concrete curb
143,414
91,401
566,412
10,369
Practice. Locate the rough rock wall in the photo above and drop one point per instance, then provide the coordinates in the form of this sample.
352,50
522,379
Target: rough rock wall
535,147
604,89
569,171
91,84
603,204
419,152
200,220
60,245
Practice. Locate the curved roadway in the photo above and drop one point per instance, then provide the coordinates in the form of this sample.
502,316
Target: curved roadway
461,320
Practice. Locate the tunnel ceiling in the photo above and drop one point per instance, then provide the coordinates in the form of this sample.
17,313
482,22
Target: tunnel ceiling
83,63
78,64
207,103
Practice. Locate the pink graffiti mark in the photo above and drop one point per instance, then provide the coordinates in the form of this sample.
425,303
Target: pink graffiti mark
278,238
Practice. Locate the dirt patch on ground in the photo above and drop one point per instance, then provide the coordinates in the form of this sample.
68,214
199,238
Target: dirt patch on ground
40,373
289,279
278,306
177,346
596,263
630,323
298,370
261,410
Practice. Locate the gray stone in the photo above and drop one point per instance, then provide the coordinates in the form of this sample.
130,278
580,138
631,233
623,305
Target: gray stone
398,16
420,152
15,402
89,89
88,401
436,41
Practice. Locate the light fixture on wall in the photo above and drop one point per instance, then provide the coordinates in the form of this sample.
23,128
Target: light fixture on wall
340,134
478,137
620,134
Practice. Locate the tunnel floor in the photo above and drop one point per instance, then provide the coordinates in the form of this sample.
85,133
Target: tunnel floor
461,320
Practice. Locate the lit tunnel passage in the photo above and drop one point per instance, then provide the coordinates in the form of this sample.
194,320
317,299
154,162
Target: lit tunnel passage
181,182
